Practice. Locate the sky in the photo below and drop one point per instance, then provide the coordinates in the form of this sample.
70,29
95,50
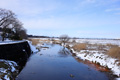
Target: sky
76,18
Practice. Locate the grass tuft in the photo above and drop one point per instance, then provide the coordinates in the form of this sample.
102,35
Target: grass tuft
114,52
34,41
79,46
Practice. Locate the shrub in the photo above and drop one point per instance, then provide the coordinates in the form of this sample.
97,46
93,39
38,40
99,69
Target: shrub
114,52
73,41
79,46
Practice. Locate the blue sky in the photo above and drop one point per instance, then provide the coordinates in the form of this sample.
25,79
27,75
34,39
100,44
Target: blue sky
76,18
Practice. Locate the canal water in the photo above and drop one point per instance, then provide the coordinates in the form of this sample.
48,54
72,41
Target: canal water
54,62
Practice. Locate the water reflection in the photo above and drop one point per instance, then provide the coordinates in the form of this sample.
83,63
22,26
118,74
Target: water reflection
63,52
51,66
22,60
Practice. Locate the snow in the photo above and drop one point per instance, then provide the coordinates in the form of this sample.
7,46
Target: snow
33,48
10,42
3,70
11,68
95,41
117,78
6,77
12,64
96,56
102,59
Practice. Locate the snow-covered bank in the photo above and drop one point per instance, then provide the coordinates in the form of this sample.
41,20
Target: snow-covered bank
7,68
96,51
13,50
11,42
100,58
33,48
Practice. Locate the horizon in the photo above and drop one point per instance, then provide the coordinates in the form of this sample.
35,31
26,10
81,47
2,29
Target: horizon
76,18
43,36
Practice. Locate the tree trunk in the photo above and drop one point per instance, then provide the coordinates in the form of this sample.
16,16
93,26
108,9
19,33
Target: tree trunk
3,38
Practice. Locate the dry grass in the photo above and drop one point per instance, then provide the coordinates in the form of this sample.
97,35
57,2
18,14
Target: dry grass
79,46
45,40
114,52
111,45
34,41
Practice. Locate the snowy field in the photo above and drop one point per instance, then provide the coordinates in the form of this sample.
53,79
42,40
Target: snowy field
94,41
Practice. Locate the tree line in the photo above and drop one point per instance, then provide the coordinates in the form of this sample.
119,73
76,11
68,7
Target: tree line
10,26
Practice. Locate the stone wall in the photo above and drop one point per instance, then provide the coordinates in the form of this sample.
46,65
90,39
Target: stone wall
18,52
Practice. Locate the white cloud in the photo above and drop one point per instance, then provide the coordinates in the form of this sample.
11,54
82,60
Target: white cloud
28,7
117,13
62,15
115,9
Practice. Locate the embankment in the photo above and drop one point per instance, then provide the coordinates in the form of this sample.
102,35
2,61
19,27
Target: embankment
17,51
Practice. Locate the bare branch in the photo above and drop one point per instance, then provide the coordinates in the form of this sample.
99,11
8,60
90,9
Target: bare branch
64,38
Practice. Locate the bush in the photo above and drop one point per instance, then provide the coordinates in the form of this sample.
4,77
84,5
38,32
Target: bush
15,37
114,52
79,46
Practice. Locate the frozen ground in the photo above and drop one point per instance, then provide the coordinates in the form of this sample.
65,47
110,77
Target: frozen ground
33,48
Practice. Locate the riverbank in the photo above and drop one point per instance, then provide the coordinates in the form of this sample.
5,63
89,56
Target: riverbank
8,70
12,56
99,57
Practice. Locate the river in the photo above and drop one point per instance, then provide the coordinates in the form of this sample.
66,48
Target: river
53,62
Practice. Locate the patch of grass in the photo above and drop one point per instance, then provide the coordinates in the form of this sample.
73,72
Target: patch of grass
99,46
3,65
79,46
114,52
34,41
111,45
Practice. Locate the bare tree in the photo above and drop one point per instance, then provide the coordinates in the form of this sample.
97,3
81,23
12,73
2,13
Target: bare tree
11,25
7,17
18,31
64,39
23,34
